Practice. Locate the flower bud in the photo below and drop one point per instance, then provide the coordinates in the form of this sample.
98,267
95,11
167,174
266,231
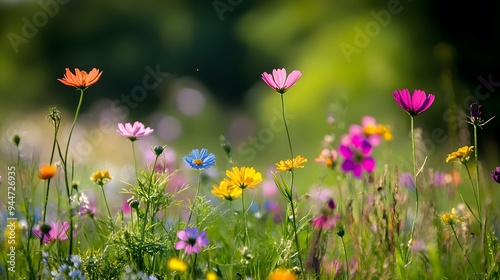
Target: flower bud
16,139
158,150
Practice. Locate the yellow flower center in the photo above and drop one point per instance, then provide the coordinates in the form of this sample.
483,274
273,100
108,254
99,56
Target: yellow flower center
198,161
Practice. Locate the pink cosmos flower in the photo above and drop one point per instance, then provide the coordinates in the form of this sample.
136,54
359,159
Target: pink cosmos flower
54,231
191,241
279,81
135,131
415,104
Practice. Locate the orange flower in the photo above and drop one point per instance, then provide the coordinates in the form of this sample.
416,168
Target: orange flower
47,171
282,274
81,79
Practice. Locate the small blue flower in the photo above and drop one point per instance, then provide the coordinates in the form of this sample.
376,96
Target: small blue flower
200,159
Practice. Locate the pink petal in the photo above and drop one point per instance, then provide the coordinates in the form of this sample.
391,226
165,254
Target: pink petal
182,235
417,99
180,245
368,120
268,79
368,164
292,78
426,104
357,171
279,77
346,152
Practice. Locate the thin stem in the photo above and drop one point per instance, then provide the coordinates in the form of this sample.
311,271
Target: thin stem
345,254
244,213
465,254
475,196
292,206
410,242
196,196
106,201
477,174
56,130
135,160
65,167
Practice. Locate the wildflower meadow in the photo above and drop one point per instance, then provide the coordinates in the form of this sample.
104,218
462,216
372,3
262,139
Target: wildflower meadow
201,215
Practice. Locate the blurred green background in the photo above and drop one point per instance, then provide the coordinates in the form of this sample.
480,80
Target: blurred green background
353,55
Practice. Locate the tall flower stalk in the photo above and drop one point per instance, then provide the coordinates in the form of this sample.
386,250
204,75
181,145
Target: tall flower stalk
198,160
81,80
414,105
280,82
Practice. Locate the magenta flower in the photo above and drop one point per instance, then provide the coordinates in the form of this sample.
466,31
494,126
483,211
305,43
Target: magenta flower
191,241
356,152
495,174
415,104
279,81
135,131
52,232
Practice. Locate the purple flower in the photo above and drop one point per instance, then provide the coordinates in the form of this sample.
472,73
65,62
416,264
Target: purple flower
407,180
52,232
476,111
135,131
191,241
279,81
440,179
415,104
356,152
495,174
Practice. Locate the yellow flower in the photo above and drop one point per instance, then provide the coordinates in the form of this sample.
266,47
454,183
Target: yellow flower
47,171
282,274
244,177
382,130
211,276
451,218
288,165
227,190
461,154
175,264
100,177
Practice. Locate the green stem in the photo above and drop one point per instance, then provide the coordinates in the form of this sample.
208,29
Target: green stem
106,201
244,213
65,167
465,254
416,189
345,254
477,174
135,160
292,206
475,196
195,197
56,130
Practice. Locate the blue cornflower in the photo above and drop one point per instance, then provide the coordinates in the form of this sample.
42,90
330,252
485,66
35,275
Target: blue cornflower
200,159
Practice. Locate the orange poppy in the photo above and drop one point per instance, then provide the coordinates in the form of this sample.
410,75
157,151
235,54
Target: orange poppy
81,79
